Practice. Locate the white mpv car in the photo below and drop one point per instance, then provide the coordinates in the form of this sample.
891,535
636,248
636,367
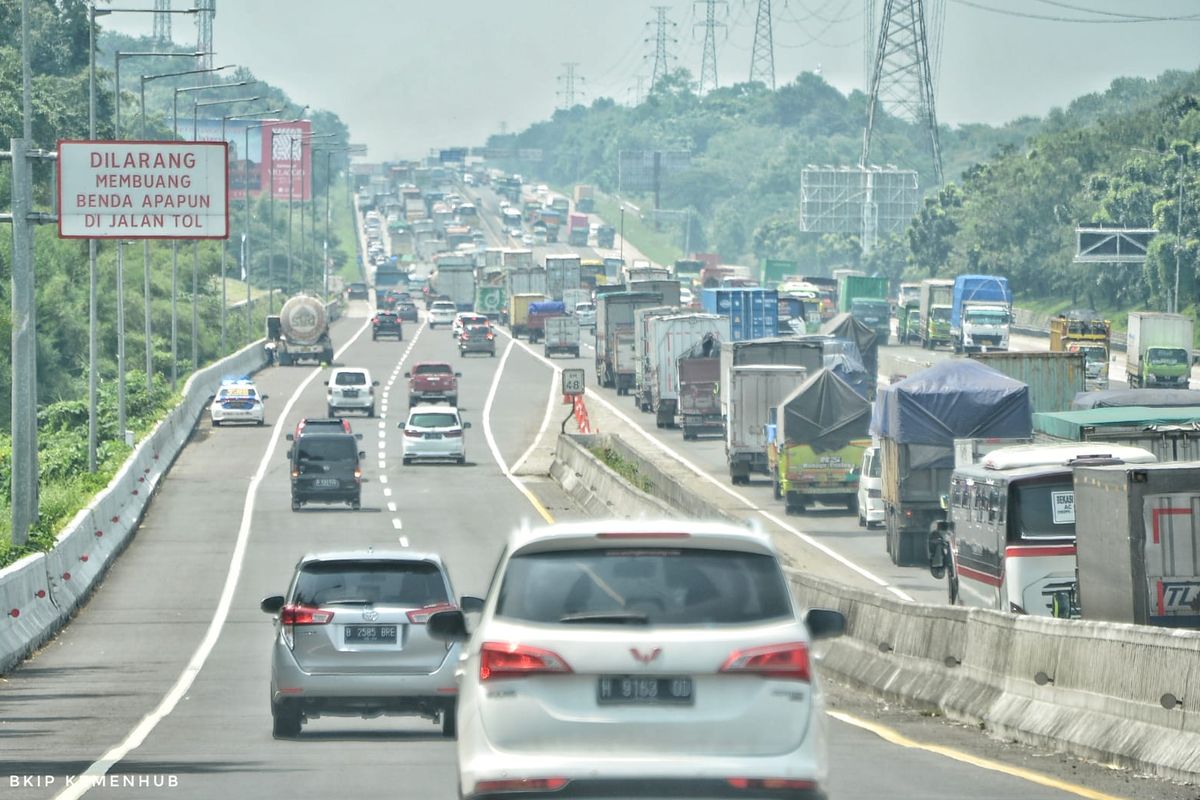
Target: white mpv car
350,389
640,659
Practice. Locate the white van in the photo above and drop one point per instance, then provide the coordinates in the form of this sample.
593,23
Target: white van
870,490
350,389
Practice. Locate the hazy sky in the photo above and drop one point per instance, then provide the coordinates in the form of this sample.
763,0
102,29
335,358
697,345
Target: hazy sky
410,75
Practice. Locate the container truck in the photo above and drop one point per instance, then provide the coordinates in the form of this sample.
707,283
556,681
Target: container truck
916,421
669,289
699,379
302,332
490,301
1139,536
1158,350
641,348
666,338
606,236
937,297
389,275
748,393
852,287
643,272
517,259
615,354
562,274
518,311
980,313
753,312
457,281
805,357
1088,335
816,438
525,280
577,230
539,312
1053,378
562,336
1172,433
585,198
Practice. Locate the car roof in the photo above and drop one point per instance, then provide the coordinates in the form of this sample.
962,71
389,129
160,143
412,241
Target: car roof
372,555
432,407
336,370
433,364
597,533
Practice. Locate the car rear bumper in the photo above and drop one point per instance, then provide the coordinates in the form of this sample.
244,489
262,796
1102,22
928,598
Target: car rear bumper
490,347
290,682
352,402
224,415
434,448
431,397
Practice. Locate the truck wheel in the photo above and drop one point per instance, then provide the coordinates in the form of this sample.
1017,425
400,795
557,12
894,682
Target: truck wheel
852,505
330,411
776,491
795,503
371,411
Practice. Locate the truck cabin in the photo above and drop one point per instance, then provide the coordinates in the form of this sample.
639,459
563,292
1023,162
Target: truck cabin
987,315
1008,542
1092,353
1167,357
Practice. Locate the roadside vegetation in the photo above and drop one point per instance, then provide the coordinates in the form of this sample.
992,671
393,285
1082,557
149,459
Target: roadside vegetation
628,470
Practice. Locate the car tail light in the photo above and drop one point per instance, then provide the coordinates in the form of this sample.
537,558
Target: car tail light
520,785
357,473
507,660
455,434
791,784
295,473
466,336
784,661
304,615
491,336
421,615
412,433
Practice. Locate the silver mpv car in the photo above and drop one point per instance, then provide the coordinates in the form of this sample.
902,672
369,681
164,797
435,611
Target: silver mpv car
351,640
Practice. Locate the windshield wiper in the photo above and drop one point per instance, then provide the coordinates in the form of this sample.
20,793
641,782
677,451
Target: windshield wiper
355,601
607,617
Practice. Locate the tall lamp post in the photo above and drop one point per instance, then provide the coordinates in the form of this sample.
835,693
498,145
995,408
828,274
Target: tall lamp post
224,242
121,419
175,245
310,138
328,151
196,106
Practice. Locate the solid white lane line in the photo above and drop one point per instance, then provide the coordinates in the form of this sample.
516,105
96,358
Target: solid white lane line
555,386
491,438
804,537
183,683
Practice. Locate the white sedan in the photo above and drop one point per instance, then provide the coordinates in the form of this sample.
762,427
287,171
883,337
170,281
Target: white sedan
638,659
442,312
238,400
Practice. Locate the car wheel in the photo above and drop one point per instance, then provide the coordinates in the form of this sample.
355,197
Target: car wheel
374,338
330,410
285,720
453,400
355,504
371,412
262,422
216,423
450,721
862,523
295,504
461,460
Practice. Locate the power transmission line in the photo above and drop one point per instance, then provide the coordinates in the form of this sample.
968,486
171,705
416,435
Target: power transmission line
1049,18
762,56
708,62
162,23
661,38
567,80
901,78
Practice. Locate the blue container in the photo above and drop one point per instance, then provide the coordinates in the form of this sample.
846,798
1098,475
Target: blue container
753,311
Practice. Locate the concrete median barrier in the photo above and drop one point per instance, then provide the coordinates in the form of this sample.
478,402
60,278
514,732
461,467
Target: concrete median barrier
61,580
1119,694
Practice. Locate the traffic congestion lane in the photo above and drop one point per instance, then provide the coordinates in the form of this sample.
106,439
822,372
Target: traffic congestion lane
62,707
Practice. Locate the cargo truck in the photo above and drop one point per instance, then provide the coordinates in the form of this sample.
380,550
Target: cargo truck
456,279
585,198
851,287
301,332
699,379
668,288
562,274
666,338
490,301
866,338
517,259
641,349
606,236
1053,378
517,317
937,297
389,275
980,313
615,355
1139,536
1158,351
745,449
1171,433
816,438
562,336
525,280
1088,335
753,312
577,230
916,421
539,313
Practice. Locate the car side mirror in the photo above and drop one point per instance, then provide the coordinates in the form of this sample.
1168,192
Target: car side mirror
211,397
448,626
263,396
458,374
326,383
290,437
466,425
374,383
358,436
408,374
470,604
272,604
824,623
362,454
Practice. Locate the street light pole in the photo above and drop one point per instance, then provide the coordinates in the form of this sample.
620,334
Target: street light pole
1178,236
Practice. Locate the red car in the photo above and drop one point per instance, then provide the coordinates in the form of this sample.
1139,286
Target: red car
432,382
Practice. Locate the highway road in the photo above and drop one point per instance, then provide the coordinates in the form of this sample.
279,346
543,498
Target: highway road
162,679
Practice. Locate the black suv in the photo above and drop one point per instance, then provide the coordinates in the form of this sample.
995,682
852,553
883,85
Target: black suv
387,323
326,468
406,311
357,291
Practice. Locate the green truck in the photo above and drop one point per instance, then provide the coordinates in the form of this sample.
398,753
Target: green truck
866,299
491,301
1158,350
937,300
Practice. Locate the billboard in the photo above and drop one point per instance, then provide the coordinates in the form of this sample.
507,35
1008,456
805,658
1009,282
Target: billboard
142,190
251,166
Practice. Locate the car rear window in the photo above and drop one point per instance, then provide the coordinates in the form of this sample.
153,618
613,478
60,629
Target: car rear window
351,379
440,306
332,448
432,369
375,582
654,586
433,419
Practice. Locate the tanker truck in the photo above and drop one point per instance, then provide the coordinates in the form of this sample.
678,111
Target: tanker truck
301,332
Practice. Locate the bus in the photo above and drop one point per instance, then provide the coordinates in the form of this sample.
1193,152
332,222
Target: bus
1008,541
511,219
